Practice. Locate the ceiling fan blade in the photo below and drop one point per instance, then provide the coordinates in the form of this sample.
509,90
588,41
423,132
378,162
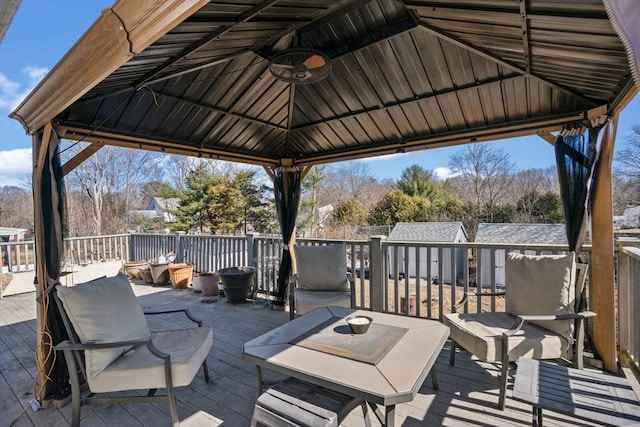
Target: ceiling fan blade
285,66
314,61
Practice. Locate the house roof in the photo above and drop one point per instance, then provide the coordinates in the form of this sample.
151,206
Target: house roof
426,232
522,233
165,204
193,77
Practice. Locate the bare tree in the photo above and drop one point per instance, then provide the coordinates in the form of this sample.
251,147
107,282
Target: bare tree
626,184
16,207
483,176
529,186
111,179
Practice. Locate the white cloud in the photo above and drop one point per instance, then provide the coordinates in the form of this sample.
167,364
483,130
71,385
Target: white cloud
383,157
15,165
443,173
12,93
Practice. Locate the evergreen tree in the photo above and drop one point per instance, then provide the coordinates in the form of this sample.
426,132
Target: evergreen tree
194,201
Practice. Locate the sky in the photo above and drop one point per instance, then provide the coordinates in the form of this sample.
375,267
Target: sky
32,46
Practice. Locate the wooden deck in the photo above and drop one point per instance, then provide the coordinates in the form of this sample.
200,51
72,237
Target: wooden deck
467,396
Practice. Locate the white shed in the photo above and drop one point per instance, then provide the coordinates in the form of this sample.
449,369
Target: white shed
517,234
414,258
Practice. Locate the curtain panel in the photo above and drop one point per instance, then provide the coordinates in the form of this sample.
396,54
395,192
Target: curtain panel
286,189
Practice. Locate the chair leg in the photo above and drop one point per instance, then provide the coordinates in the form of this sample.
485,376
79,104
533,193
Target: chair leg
173,410
205,368
504,374
434,378
76,399
452,355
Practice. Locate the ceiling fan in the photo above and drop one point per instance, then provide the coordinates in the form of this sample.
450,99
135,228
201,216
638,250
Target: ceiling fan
300,65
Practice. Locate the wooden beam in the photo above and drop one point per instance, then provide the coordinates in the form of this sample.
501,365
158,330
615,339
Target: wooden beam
269,172
602,283
547,136
79,158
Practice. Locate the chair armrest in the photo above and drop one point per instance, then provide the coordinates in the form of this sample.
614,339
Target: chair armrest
67,345
536,317
468,294
567,316
181,310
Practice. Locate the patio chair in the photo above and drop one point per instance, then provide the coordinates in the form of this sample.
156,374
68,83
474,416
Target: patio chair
542,318
111,347
321,279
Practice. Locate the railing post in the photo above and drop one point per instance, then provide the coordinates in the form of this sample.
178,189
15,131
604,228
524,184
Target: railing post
251,250
377,273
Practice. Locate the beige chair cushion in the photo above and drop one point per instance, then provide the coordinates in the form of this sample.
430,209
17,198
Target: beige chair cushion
104,310
139,369
541,284
321,268
307,301
481,335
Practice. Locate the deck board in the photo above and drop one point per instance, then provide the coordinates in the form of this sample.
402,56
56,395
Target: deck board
467,396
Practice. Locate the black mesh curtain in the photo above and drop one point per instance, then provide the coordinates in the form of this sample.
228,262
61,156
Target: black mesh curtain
52,215
577,155
286,189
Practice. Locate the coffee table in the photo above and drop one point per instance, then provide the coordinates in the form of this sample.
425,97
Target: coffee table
385,366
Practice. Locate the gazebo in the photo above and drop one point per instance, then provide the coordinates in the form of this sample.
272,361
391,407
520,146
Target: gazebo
289,84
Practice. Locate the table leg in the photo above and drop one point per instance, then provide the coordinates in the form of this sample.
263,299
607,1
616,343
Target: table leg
261,385
389,416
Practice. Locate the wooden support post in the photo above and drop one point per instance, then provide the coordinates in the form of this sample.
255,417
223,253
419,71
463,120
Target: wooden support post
40,148
602,284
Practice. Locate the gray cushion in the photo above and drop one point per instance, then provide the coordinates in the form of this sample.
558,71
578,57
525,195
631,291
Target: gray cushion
541,284
321,268
104,310
481,335
139,369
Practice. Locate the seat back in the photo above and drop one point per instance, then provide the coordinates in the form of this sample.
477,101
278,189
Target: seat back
542,285
102,311
321,268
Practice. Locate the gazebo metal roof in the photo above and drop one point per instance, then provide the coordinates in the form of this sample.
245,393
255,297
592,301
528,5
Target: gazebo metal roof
405,75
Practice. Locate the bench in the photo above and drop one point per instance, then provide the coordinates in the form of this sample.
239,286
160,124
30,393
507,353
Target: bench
605,399
296,403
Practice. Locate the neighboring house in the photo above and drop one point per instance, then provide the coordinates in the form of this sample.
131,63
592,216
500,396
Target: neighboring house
158,207
630,218
164,207
429,264
517,234
8,234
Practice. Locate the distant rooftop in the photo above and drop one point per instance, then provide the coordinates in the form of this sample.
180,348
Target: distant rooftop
427,232
522,233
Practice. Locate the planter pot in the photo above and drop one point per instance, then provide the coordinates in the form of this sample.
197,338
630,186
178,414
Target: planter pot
181,274
238,283
132,269
159,273
209,284
145,274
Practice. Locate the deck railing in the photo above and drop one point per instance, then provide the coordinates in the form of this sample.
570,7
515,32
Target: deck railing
629,298
21,256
